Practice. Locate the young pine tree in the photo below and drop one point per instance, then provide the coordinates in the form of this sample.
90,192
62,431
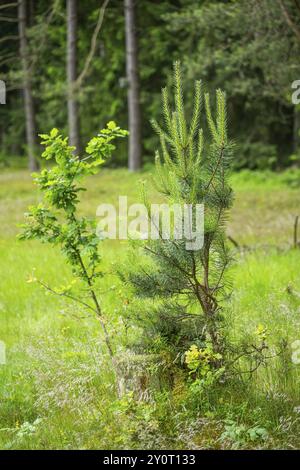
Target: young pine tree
190,169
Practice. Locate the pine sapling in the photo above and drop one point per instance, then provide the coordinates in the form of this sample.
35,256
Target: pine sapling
192,167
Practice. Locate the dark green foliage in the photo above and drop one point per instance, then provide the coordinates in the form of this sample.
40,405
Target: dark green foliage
249,51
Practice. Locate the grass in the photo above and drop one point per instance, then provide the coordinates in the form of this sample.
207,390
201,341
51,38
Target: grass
56,388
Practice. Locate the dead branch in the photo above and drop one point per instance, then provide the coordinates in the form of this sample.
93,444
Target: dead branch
289,20
91,53
8,5
233,241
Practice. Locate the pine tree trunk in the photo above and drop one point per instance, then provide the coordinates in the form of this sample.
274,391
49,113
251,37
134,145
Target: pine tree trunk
296,129
134,112
27,88
73,118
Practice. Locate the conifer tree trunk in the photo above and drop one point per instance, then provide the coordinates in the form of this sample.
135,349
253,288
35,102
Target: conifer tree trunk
296,129
134,112
73,118
27,88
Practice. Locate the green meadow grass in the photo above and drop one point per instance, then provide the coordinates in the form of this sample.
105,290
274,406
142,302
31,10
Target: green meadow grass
56,388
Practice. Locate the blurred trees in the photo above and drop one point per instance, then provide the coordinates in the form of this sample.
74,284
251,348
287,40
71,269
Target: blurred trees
250,48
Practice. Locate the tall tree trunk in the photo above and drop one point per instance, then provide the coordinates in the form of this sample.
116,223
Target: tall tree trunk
73,118
296,129
134,112
27,89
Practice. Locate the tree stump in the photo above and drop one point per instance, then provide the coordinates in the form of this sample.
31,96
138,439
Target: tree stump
141,374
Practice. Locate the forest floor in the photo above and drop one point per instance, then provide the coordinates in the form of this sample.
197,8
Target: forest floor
56,387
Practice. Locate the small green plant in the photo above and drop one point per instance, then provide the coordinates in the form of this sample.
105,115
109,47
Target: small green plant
204,369
56,220
239,435
201,361
23,431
